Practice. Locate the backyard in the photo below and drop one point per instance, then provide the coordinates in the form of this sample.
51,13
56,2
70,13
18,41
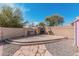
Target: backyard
27,32
55,47
59,44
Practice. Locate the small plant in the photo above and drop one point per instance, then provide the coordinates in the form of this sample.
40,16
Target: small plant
50,33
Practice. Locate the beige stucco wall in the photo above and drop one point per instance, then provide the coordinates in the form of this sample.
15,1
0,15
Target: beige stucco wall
0,32
12,32
67,31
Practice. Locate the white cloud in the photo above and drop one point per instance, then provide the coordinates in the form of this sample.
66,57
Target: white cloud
13,5
36,23
7,4
24,9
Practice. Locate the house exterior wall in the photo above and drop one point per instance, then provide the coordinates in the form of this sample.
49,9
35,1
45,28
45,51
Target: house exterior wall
77,33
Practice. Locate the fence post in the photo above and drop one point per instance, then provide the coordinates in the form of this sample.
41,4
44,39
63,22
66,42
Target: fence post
24,32
1,33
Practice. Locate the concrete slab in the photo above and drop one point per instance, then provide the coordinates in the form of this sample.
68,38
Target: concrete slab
39,38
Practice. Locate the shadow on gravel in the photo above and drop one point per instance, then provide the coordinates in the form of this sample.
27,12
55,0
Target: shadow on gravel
9,49
2,42
61,48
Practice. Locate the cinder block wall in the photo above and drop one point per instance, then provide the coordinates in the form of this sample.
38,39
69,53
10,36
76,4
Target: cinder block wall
0,33
12,32
67,31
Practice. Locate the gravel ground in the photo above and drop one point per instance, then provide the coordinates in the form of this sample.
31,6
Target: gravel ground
60,48
10,49
63,47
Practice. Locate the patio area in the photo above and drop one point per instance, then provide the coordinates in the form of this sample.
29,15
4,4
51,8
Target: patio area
39,39
57,46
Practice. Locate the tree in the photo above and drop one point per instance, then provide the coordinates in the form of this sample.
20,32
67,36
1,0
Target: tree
10,17
41,24
54,20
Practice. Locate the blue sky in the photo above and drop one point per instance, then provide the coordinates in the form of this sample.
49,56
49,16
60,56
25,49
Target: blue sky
37,12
